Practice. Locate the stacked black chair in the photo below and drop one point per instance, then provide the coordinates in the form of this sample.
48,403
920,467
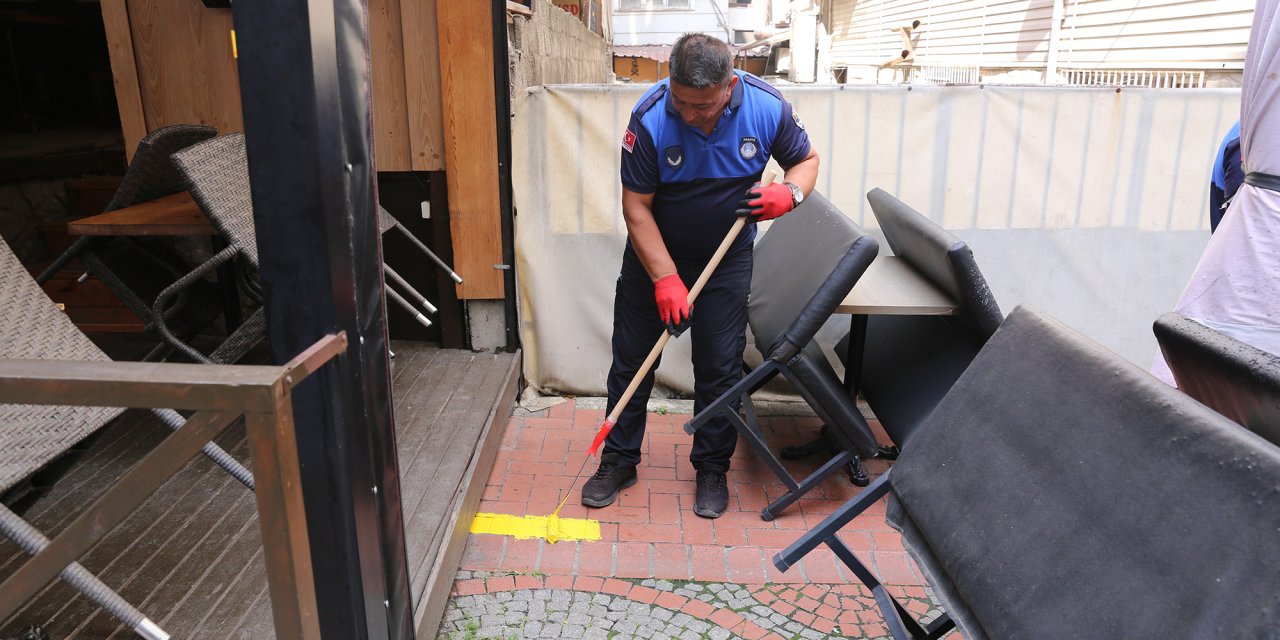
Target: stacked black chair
1058,491
908,363
805,265
1238,380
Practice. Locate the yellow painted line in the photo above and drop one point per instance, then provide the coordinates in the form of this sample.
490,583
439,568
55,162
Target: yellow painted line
552,528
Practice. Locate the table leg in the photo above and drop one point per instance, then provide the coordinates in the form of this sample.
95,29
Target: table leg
229,289
853,354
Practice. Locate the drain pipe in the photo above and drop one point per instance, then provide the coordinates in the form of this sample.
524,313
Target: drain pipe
502,106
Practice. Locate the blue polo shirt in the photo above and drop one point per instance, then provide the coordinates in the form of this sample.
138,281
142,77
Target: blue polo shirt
699,179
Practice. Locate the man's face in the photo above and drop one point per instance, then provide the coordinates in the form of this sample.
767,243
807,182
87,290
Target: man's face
701,108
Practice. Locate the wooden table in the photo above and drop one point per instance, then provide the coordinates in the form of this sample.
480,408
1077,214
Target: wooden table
891,287
174,215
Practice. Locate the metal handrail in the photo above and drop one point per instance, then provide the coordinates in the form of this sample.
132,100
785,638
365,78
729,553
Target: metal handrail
218,394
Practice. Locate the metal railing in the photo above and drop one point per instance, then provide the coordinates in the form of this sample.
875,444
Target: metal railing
1154,79
218,394
945,75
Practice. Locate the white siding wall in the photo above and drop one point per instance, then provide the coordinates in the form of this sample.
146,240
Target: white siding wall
1148,34
1155,34
997,33
665,26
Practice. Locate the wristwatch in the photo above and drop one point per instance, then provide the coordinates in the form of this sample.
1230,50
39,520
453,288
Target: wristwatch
797,196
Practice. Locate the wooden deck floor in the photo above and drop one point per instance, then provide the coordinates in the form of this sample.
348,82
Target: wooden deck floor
190,557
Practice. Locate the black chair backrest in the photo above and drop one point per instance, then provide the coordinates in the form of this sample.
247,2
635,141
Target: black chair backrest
805,265
1062,492
217,175
151,173
909,362
1238,380
939,256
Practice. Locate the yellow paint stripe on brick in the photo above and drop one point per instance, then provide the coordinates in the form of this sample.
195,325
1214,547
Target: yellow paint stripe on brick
525,527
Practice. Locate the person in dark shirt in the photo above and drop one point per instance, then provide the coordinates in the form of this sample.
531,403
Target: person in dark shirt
1228,175
692,155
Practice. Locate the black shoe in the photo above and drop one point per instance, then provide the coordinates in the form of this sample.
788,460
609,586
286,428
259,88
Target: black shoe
857,473
712,497
603,487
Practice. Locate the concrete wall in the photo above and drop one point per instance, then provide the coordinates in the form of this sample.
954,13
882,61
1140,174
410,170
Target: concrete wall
551,46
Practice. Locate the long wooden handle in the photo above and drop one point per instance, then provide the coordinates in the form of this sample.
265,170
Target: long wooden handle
765,180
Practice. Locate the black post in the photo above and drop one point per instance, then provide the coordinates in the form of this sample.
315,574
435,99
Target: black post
502,105
304,80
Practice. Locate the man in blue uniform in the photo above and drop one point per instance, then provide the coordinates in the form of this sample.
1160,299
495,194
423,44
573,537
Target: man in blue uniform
691,159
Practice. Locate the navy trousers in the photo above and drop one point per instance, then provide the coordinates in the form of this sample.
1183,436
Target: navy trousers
718,331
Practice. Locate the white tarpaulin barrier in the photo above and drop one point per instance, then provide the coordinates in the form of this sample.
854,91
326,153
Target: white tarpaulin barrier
1236,287
1089,203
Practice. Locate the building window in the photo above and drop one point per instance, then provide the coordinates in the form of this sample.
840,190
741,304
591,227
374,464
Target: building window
645,5
741,37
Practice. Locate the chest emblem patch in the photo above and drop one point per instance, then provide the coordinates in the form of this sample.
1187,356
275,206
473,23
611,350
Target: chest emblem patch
748,148
674,156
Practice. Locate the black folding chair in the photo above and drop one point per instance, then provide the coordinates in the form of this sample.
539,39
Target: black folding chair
1104,504
1238,380
805,265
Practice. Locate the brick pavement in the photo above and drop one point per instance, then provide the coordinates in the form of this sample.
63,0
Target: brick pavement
660,571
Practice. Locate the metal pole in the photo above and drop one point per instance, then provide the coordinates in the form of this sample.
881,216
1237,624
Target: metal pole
304,78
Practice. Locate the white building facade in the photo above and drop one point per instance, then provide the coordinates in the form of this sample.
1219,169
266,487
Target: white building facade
662,22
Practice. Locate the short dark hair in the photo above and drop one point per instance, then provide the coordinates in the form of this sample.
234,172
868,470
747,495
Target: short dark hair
700,61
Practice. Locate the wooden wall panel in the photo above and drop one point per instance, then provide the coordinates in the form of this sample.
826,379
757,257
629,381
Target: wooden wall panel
185,68
172,64
471,145
390,118
422,82
124,73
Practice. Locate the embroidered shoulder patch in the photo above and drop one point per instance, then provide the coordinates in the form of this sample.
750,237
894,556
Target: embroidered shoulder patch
795,116
628,141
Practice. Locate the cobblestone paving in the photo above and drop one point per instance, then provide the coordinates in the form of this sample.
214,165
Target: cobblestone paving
493,605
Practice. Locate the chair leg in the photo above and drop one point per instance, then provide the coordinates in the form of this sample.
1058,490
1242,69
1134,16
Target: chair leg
391,273
218,455
812,480
32,542
404,304
431,254
61,261
784,559
744,387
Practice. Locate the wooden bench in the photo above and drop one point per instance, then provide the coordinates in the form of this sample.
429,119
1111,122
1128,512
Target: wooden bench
1058,491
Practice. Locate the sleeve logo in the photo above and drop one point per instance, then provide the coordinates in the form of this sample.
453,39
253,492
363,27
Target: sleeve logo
795,116
628,141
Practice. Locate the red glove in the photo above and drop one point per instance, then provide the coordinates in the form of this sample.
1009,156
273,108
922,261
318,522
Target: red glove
673,299
765,203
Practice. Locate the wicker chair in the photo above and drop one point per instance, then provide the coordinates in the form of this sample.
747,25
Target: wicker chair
136,271
217,176
31,436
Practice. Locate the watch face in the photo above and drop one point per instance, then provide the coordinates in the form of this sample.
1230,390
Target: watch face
797,196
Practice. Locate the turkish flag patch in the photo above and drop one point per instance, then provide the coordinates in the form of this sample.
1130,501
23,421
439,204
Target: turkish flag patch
628,141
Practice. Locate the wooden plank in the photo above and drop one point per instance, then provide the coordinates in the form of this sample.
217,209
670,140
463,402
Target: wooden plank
138,556
191,558
471,146
422,84
185,68
440,582
139,384
124,74
390,118
173,215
